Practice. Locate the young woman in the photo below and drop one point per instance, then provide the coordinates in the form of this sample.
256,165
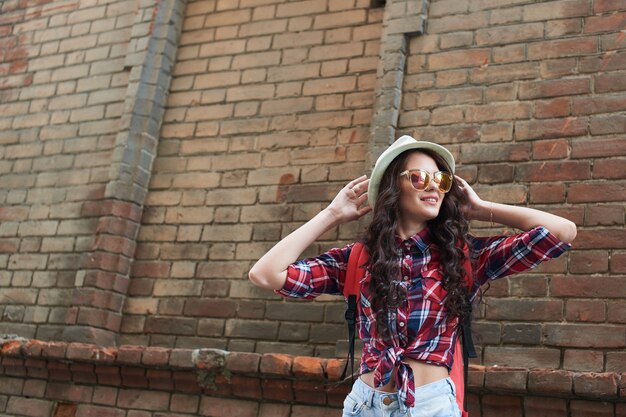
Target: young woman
423,267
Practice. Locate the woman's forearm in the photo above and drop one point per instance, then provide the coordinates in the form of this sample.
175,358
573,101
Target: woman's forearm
526,218
271,270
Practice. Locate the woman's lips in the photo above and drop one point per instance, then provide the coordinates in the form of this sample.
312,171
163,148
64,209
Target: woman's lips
430,200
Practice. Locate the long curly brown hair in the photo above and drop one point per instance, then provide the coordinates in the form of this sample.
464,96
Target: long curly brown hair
451,229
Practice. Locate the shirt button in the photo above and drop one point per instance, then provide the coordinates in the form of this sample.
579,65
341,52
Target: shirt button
401,324
405,278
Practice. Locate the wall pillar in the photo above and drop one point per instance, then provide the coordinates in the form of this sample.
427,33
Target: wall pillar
402,19
102,279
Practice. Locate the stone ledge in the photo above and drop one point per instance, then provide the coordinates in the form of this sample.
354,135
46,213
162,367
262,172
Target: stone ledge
220,370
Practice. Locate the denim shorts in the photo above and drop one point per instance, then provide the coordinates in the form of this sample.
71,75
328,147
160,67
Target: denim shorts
436,399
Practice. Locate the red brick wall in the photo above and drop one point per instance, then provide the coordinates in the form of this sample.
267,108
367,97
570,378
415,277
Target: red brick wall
63,83
42,379
273,106
531,99
268,115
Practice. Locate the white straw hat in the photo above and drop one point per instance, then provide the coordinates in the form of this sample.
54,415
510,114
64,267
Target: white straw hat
403,144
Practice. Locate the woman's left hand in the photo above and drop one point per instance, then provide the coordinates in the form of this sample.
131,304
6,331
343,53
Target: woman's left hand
474,203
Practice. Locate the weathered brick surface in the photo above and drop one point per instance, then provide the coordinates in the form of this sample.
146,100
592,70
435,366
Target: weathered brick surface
282,383
118,231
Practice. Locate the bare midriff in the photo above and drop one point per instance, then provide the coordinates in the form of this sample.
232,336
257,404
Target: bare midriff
423,373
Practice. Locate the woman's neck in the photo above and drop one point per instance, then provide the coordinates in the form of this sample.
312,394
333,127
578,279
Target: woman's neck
406,229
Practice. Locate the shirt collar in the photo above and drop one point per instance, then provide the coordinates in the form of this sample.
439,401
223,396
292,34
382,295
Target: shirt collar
420,240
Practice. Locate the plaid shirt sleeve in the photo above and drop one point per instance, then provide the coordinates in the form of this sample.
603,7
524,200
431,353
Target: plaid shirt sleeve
323,274
499,256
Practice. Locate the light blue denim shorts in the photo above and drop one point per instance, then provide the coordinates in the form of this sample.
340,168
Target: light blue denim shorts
437,399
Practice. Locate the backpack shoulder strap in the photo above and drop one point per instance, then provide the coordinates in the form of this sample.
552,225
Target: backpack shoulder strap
354,273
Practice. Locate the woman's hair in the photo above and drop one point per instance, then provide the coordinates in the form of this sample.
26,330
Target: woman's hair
449,229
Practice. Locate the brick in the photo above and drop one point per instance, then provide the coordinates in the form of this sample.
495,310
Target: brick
299,8
508,309
550,381
598,147
498,111
601,125
455,40
606,215
294,311
85,410
459,22
211,406
229,47
418,118
31,407
259,59
458,59
557,10
604,83
553,171
618,262
601,104
210,308
500,153
155,356
499,405
170,325
251,329
525,334
547,193
586,262
608,61
552,88
274,410
216,79
263,28
68,392
244,126
583,335
583,360
324,119
615,361
579,408
596,385
550,128
329,85
177,288
562,48
528,357
243,362
340,19
506,379
285,106
538,406
606,23
601,6
508,34
308,367
590,287
590,192
143,400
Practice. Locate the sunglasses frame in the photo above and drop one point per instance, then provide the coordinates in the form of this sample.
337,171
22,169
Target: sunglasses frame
429,177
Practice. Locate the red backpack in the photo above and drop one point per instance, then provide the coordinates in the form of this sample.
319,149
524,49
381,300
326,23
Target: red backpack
464,348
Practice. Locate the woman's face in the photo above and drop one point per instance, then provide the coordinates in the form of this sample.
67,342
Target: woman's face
420,206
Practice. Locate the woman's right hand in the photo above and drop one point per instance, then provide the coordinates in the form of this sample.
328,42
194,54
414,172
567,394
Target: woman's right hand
346,206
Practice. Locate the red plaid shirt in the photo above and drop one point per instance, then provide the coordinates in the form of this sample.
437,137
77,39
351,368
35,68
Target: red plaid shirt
420,329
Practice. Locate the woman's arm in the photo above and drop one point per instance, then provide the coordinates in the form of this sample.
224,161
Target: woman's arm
271,270
523,218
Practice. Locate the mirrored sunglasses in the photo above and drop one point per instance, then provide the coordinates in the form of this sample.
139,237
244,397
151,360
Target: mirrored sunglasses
420,179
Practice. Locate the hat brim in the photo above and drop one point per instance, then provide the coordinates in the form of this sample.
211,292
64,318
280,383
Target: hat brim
403,144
